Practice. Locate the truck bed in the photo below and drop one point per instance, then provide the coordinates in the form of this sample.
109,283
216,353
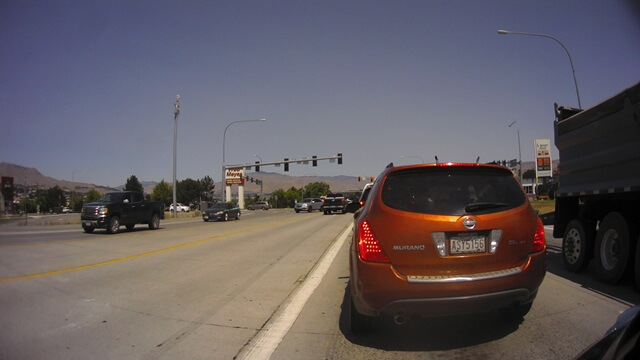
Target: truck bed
600,147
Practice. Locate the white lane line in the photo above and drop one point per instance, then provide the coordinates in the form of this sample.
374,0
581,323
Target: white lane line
275,330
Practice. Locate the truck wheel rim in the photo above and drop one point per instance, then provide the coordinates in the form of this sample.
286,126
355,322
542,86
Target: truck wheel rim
115,224
156,221
572,249
609,249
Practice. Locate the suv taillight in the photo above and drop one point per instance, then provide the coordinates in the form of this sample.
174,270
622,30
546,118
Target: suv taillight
368,246
539,242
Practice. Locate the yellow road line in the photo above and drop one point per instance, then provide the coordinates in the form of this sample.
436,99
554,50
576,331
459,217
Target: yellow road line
155,252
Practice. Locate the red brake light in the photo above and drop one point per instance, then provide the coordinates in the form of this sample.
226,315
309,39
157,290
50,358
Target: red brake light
368,246
539,242
449,164
361,203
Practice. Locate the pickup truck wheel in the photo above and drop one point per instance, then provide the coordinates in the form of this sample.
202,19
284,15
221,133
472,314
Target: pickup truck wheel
88,229
130,227
612,248
238,215
114,225
297,211
226,216
155,222
576,245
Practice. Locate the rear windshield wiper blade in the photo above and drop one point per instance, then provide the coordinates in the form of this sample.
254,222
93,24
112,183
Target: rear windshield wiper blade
483,206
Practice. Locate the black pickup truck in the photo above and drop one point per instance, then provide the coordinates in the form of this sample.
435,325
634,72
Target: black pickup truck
126,208
334,203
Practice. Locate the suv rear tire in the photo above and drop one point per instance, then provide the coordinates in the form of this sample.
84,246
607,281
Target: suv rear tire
358,322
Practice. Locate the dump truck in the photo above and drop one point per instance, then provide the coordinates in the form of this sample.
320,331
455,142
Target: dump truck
597,211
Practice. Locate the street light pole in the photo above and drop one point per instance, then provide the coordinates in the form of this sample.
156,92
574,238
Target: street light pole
575,82
519,152
224,139
176,112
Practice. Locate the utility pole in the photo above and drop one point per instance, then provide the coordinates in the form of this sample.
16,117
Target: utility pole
176,112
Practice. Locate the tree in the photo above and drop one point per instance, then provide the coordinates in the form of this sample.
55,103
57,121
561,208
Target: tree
278,199
207,186
316,189
52,199
189,191
292,195
92,196
162,192
133,184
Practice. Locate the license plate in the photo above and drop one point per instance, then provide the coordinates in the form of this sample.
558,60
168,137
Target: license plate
467,245
87,223
206,217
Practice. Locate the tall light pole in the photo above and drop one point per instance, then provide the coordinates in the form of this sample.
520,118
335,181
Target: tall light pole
575,82
176,112
224,139
519,152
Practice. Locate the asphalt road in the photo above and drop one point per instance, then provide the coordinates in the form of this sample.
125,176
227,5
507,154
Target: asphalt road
223,290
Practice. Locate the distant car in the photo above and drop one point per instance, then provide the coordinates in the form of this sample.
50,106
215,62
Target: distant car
365,193
259,205
334,203
179,207
444,240
222,211
308,205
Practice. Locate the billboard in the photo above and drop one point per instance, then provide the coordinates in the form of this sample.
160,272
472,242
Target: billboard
234,177
543,158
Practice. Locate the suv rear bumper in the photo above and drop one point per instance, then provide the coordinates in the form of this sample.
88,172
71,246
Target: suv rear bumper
461,305
378,288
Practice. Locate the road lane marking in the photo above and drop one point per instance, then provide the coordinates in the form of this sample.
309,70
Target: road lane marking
155,252
272,333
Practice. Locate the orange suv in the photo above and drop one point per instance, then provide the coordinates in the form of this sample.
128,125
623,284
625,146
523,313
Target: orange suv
444,239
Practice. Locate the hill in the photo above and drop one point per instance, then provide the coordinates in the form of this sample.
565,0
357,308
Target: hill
31,177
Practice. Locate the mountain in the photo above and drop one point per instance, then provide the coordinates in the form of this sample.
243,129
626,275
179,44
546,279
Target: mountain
31,177
271,181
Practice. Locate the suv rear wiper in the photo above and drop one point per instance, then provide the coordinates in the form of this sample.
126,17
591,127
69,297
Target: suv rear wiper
483,206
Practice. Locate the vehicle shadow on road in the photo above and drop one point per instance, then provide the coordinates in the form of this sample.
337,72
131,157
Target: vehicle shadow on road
625,290
433,334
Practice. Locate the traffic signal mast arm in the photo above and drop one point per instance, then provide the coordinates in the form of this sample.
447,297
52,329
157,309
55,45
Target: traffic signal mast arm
286,161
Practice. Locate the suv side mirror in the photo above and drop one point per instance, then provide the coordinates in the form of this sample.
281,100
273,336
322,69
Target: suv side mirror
353,207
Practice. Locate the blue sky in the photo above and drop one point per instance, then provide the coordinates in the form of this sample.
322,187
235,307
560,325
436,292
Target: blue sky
87,87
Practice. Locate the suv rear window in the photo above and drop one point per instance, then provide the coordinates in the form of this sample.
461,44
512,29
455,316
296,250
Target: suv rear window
452,190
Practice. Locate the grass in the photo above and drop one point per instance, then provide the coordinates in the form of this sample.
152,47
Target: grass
544,206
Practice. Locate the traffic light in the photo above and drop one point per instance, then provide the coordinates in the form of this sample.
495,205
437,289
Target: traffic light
257,167
286,164
339,158
314,162
359,178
